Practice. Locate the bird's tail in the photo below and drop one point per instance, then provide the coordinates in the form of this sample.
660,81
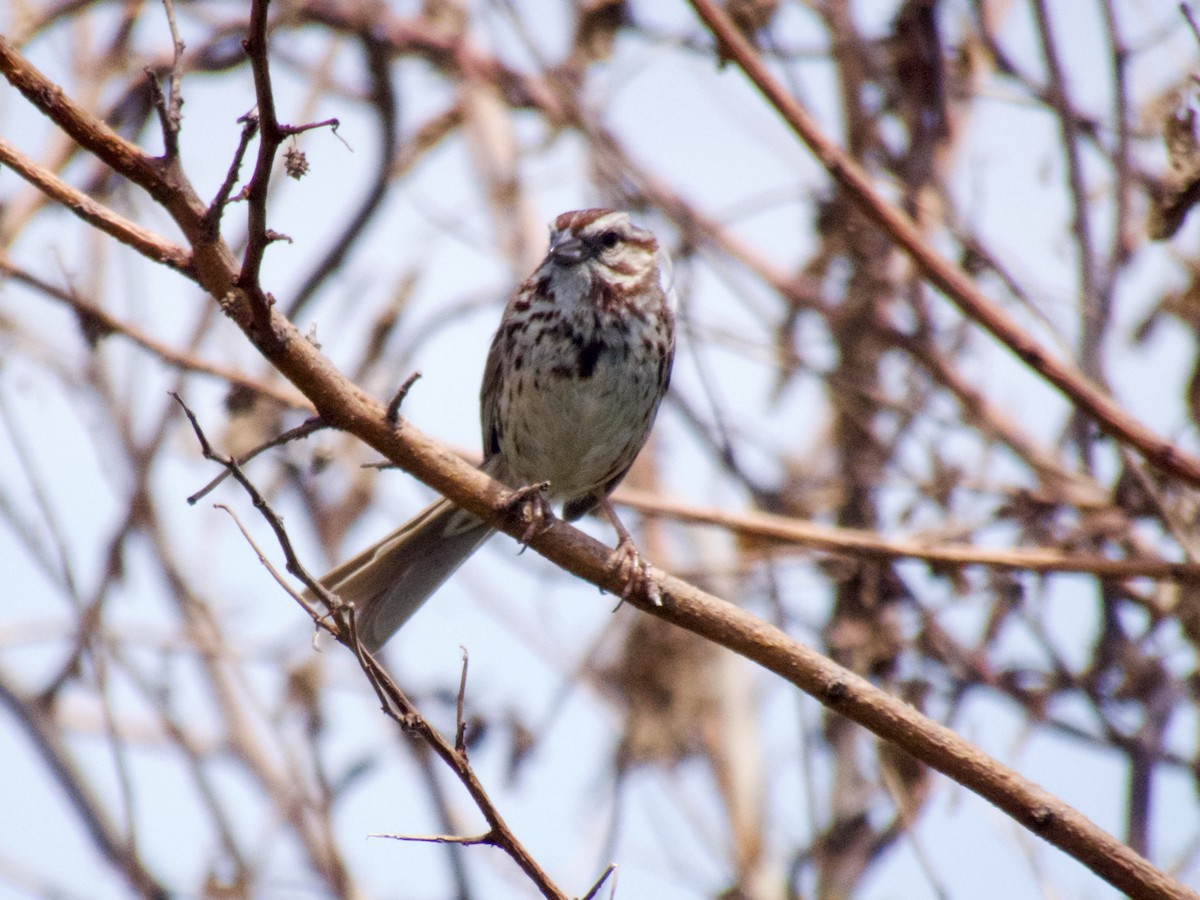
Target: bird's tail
391,579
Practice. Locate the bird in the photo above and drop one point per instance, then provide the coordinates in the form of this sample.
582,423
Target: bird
574,377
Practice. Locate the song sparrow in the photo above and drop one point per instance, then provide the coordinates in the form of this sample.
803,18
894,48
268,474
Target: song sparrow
573,381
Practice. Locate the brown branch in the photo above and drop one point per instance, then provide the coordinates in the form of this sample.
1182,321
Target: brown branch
90,133
397,401
869,544
37,719
270,136
345,406
101,217
171,110
393,701
311,425
460,727
216,209
96,321
604,876
948,278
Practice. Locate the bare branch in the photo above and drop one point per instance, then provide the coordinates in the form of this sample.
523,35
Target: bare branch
144,242
956,286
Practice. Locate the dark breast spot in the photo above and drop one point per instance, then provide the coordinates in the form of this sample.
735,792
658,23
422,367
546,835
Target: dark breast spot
589,355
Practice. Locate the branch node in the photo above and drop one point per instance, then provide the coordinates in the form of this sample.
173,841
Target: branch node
835,693
1041,818
595,888
393,407
460,732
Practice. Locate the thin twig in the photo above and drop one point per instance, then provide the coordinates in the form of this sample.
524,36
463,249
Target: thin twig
265,561
309,426
96,323
271,135
145,242
1186,9
949,279
393,701
336,609
216,209
463,840
393,407
867,543
171,113
460,730
595,889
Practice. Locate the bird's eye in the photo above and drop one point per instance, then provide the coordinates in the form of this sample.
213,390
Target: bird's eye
609,239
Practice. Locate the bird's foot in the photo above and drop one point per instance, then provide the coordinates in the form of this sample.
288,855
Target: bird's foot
634,572
529,505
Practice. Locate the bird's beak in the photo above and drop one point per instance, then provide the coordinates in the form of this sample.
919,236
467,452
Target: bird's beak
568,250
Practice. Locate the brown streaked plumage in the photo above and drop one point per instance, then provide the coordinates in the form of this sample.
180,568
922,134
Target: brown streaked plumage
573,381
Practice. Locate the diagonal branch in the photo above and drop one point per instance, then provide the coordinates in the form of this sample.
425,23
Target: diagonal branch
96,322
145,242
37,719
946,277
344,405
394,702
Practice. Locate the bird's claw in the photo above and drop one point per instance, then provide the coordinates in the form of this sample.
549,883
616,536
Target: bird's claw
635,571
529,504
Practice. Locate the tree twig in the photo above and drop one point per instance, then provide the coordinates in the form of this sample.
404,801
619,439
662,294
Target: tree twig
949,279
393,701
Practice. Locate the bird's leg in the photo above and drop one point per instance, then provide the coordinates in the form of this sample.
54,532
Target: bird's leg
529,504
628,561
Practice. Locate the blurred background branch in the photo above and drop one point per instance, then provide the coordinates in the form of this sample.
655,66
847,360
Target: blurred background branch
964,535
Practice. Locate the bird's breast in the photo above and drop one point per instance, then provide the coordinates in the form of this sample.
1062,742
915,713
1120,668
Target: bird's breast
576,402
